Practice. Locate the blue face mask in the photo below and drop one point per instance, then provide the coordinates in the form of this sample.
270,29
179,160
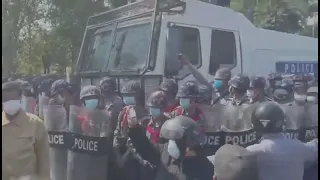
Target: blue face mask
185,103
217,84
173,149
129,100
91,103
154,112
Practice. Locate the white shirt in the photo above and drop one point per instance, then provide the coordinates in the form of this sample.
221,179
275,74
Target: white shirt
283,159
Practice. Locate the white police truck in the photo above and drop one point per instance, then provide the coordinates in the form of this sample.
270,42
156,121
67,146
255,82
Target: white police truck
142,40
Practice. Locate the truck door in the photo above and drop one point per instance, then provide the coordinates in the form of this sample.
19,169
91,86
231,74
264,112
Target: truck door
225,51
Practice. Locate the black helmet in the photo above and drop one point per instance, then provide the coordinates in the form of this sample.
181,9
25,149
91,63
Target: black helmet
268,117
131,87
157,99
205,94
275,77
182,126
89,91
169,85
257,82
108,84
188,89
240,81
59,86
223,74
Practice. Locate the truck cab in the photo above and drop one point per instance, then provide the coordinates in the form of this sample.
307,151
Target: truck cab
142,41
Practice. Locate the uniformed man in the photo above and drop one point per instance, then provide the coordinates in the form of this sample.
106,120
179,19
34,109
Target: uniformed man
256,91
205,95
113,103
188,94
312,95
238,86
25,146
156,103
283,94
287,156
220,85
274,79
170,87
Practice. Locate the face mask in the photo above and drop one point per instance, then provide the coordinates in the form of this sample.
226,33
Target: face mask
173,149
311,99
91,103
129,100
278,83
155,112
12,107
300,97
184,103
60,99
217,84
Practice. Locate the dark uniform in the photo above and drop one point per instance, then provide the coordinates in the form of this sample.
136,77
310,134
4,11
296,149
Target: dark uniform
170,87
256,92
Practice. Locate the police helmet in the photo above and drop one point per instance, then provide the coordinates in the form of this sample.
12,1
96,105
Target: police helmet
205,94
89,92
108,84
169,85
157,99
223,74
188,89
240,81
59,86
302,78
275,77
183,127
268,117
257,82
131,87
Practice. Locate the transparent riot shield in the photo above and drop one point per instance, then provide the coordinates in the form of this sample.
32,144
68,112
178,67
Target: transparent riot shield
311,123
293,122
43,101
89,144
55,120
213,118
28,104
237,125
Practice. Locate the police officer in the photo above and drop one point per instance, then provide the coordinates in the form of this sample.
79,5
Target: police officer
134,111
61,92
170,87
287,156
300,87
156,103
113,103
283,94
274,79
256,91
187,95
238,86
220,85
312,95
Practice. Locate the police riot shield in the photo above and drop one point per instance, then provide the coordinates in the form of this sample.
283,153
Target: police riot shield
43,101
89,144
55,120
311,123
293,127
28,104
213,117
237,125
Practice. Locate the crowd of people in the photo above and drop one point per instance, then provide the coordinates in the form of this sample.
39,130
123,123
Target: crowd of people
234,128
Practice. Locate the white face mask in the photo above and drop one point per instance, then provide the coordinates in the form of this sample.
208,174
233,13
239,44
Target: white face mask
250,93
60,99
300,97
311,99
11,107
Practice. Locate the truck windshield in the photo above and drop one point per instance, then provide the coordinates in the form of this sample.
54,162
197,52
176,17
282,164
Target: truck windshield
98,50
131,47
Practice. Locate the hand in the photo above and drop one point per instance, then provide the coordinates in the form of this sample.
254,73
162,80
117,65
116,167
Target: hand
183,59
147,164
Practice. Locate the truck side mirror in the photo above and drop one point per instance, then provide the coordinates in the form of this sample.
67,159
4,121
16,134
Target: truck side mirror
173,48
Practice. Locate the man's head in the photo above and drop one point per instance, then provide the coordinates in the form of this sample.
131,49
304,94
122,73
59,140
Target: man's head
11,97
233,162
